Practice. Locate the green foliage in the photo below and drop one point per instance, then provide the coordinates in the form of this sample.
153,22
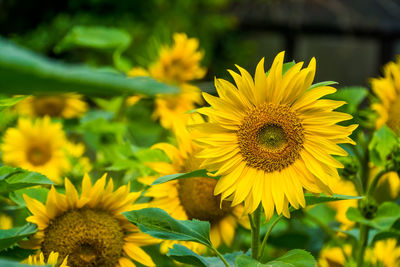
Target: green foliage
9,102
8,263
184,255
326,83
382,144
295,257
159,224
36,193
23,72
177,176
11,236
386,215
353,96
12,179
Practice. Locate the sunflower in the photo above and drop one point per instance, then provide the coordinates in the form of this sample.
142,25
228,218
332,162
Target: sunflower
180,63
387,89
5,221
52,260
385,253
89,229
62,105
192,198
334,256
271,137
36,146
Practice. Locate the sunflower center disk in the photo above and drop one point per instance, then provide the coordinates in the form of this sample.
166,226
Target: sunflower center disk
38,155
49,105
394,115
270,137
89,238
198,200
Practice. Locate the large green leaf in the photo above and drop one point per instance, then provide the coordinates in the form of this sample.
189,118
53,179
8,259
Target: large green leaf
159,224
386,215
23,72
352,95
295,257
12,179
184,255
11,236
176,176
381,145
36,193
9,263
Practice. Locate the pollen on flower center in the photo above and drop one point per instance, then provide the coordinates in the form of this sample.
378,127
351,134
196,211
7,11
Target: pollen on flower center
198,200
89,237
270,137
38,155
394,115
49,105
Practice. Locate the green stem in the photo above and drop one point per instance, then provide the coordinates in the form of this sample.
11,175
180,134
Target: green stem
264,242
374,182
220,256
255,232
362,245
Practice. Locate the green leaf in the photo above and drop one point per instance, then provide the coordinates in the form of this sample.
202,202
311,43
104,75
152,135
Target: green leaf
326,83
381,145
9,102
184,255
9,263
171,177
94,37
386,215
247,261
312,200
36,193
352,95
12,179
24,72
295,257
159,224
11,236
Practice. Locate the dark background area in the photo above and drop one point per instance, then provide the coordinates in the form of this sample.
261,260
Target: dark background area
351,39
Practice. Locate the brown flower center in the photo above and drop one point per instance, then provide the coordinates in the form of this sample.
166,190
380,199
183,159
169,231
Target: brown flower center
49,105
394,115
89,238
198,200
270,137
39,154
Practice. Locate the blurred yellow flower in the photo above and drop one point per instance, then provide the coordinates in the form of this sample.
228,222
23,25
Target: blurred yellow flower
334,256
63,105
37,146
192,198
5,222
384,252
272,137
38,259
180,63
89,228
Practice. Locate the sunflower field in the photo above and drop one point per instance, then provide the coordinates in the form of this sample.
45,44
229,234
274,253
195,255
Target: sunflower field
139,142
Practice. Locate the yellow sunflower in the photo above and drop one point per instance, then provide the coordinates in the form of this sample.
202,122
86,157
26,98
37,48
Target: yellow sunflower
334,256
89,228
385,253
192,198
5,222
270,137
36,146
180,63
387,89
52,260
62,105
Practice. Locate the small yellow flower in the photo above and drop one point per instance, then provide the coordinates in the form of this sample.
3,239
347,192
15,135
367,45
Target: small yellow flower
334,256
89,228
37,146
63,105
192,198
180,63
38,259
271,137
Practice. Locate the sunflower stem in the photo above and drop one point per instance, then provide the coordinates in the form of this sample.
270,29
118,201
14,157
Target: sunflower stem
264,242
220,256
255,233
362,245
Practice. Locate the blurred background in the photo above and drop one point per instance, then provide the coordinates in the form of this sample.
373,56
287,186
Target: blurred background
351,39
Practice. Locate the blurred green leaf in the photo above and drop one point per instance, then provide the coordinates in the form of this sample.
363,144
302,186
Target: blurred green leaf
326,83
94,37
11,236
9,102
295,257
12,179
381,145
23,72
386,215
177,176
352,95
9,263
247,261
184,255
159,224
36,193
312,200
